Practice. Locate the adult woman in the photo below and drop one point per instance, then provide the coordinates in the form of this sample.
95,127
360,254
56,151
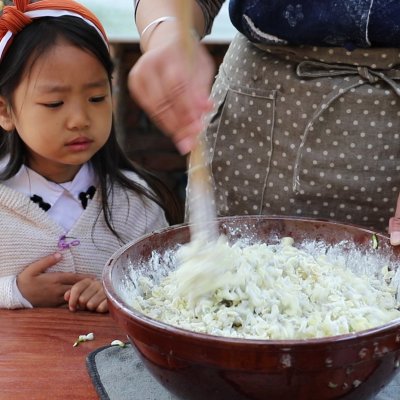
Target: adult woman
306,105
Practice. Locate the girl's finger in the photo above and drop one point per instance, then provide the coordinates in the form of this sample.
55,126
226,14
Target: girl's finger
93,303
43,264
67,294
91,295
102,307
76,291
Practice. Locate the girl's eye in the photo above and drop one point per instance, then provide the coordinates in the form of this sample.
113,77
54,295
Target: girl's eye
97,99
53,105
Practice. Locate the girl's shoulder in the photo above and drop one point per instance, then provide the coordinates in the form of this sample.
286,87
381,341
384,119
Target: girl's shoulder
135,178
137,188
143,201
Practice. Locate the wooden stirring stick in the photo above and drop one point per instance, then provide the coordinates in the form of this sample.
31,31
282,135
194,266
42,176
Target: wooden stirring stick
205,262
202,214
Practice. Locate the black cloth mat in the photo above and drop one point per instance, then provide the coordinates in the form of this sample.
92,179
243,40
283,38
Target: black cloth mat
118,373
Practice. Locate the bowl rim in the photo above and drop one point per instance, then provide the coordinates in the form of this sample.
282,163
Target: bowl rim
119,303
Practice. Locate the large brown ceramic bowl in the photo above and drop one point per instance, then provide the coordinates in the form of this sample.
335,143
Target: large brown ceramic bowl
197,366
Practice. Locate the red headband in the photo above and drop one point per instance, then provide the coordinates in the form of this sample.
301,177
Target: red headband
17,17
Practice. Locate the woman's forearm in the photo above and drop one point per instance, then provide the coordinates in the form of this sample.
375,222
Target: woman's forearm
150,10
147,11
170,83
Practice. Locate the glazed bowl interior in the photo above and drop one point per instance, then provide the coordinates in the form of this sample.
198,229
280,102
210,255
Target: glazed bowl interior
353,366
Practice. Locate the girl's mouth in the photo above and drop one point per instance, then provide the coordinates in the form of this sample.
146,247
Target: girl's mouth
79,144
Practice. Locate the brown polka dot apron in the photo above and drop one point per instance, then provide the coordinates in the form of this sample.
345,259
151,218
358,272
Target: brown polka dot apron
307,131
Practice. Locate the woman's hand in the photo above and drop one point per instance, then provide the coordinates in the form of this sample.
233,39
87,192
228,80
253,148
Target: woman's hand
46,289
394,226
173,88
87,294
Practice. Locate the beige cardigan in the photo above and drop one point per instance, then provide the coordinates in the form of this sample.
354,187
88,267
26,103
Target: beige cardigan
27,234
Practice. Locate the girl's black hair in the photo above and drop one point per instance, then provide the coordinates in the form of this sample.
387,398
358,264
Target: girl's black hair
37,38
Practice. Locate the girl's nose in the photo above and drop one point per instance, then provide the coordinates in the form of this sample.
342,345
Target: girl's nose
78,118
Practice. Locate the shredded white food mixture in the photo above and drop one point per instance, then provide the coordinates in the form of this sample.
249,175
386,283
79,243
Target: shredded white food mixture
273,292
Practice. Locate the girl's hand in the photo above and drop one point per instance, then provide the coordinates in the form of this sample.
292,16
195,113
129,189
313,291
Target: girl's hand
87,294
46,289
173,88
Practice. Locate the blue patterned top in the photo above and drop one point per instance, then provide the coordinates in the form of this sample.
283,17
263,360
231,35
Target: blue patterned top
345,23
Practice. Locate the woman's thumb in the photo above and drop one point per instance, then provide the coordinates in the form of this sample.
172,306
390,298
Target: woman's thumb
394,225
394,230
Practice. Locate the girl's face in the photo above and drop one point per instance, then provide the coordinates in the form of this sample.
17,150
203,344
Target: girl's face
62,110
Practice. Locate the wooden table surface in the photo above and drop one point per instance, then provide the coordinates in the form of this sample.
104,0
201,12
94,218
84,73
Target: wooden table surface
37,357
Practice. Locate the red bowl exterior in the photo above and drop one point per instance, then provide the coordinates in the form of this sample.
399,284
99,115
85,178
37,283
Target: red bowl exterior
196,366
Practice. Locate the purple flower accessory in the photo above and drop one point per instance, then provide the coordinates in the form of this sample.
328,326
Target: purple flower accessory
63,244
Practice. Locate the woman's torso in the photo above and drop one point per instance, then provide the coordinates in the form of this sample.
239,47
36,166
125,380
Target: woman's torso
347,23
323,118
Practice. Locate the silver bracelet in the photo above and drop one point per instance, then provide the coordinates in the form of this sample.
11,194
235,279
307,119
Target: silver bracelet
156,22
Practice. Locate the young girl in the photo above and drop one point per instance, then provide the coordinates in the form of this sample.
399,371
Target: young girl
69,197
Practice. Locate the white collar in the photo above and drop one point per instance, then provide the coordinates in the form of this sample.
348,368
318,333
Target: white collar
29,182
